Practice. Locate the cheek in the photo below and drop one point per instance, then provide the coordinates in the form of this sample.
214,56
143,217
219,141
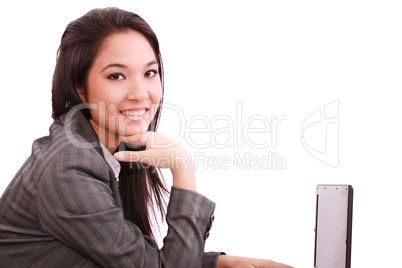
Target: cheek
155,94
155,97
107,97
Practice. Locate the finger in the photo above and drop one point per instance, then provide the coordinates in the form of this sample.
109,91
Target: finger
146,157
281,265
127,156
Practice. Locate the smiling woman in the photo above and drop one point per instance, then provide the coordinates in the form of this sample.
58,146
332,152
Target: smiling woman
124,77
72,203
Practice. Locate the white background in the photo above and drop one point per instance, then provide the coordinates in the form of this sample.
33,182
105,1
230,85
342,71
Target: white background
275,57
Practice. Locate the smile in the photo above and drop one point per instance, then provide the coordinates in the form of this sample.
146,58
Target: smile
134,113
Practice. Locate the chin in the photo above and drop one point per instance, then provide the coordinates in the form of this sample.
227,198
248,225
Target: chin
134,130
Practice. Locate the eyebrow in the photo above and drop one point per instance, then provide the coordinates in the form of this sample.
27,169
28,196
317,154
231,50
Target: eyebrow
120,65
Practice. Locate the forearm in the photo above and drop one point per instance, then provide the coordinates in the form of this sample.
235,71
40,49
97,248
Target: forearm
225,261
189,219
184,175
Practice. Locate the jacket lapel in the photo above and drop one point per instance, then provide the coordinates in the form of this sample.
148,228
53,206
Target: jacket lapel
79,131
77,127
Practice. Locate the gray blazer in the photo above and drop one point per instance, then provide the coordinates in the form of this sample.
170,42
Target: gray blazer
63,209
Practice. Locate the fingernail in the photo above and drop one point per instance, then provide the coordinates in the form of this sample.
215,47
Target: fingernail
119,156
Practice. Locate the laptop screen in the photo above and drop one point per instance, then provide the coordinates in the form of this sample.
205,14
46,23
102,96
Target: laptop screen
333,226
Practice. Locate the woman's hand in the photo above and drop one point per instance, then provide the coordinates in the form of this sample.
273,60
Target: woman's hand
162,153
225,261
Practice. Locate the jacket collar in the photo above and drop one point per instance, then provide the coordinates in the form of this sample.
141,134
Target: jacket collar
79,130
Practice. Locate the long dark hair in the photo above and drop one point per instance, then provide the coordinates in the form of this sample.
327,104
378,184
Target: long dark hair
141,187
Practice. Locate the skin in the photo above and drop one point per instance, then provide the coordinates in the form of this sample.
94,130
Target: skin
124,79
225,261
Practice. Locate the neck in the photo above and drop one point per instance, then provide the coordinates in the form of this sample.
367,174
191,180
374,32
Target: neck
109,140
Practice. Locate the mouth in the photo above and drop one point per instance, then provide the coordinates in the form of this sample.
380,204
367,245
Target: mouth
135,114
132,113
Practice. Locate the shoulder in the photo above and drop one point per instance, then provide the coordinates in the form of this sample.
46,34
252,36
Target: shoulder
71,151
65,150
70,156
76,177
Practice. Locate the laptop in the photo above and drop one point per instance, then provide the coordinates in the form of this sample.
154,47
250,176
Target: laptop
333,226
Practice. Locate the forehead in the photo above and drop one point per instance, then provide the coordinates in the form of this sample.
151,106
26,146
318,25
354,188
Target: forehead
129,47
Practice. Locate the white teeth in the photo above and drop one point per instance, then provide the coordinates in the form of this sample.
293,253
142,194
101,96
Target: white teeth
134,113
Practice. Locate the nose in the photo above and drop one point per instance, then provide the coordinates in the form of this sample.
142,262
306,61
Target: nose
137,91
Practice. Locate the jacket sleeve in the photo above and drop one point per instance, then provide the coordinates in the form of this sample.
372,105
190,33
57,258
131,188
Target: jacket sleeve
210,259
75,206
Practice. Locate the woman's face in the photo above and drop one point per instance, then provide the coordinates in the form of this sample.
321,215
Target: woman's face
123,87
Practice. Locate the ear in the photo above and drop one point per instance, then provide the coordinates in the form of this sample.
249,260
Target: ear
81,93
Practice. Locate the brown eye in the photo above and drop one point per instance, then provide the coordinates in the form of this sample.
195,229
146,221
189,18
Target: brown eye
151,73
116,76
